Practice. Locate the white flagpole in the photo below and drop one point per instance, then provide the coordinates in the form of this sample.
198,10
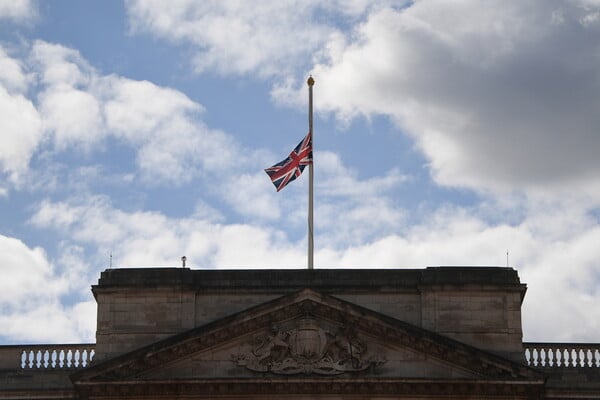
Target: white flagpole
310,83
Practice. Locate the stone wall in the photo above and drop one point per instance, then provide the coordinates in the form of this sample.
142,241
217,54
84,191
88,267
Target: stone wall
478,306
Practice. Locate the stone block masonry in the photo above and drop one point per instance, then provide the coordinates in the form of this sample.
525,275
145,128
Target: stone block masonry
479,306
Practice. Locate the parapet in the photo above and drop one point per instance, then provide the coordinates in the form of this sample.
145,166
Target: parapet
480,306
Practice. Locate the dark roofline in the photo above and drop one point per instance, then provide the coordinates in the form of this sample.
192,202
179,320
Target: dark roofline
293,279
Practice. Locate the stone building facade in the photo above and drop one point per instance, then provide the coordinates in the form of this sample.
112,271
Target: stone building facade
176,333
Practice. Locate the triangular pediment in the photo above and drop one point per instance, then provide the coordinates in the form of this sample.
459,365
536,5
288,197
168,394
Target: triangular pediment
307,336
307,333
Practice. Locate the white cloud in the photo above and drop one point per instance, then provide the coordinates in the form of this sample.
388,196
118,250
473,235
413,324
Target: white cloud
495,95
251,196
25,272
560,267
351,210
265,38
58,65
21,129
349,222
20,122
76,107
150,238
561,270
174,144
51,323
30,292
74,116
17,10
136,108
12,76
338,179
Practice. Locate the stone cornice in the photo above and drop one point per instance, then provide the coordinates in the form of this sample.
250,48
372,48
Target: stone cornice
295,279
351,386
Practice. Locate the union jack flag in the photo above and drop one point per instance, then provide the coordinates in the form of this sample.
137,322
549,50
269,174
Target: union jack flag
289,169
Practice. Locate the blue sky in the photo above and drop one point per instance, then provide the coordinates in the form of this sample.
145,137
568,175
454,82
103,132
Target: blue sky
445,134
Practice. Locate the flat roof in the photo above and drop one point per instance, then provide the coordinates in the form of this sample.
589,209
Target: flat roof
291,279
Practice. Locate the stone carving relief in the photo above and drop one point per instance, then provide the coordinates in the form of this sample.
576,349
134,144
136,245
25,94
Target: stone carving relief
307,348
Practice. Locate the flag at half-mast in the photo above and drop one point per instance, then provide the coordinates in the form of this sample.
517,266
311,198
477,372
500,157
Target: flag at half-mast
289,169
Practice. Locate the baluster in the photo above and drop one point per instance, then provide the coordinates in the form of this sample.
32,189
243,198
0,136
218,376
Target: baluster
84,358
555,355
544,357
584,358
89,357
69,358
566,358
49,358
76,357
575,357
38,359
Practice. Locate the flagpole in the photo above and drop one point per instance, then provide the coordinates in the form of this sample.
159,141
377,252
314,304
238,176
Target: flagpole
310,83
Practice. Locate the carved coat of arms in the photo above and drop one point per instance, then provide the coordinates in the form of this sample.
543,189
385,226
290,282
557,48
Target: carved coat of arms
307,348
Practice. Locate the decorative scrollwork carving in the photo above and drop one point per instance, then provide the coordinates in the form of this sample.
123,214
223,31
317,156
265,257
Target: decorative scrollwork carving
307,348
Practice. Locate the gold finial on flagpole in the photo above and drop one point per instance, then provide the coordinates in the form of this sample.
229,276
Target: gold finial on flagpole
310,81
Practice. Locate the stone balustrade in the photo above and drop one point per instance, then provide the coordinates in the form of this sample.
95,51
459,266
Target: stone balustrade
562,355
46,357
74,356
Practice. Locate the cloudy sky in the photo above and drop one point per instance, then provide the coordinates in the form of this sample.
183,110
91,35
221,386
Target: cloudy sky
446,133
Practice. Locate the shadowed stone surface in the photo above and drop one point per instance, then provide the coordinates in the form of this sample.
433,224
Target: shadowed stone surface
480,306
439,332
